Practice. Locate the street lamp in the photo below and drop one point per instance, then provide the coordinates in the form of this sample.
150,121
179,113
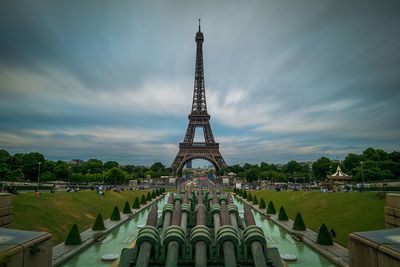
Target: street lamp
362,175
69,175
38,177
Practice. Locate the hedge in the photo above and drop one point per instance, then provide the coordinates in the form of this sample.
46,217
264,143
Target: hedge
255,201
143,200
127,208
148,196
324,237
115,215
271,208
299,223
136,203
261,205
98,223
282,216
74,237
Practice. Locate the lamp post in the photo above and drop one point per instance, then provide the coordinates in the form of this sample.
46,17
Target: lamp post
69,175
38,177
362,175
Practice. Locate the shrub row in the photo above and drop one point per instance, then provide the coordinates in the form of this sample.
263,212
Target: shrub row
324,236
74,237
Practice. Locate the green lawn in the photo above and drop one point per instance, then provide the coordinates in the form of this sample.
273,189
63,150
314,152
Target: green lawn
55,213
344,212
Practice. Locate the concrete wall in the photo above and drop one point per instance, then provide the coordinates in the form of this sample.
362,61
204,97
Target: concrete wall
392,211
367,253
5,210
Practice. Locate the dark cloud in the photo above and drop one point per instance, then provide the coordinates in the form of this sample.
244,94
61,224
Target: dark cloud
284,80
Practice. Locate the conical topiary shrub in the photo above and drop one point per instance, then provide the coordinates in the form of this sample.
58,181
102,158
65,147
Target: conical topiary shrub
244,195
249,197
153,194
255,201
282,216
136,203
157,192
163,190
148,196
261,205
98,223
127,208
271,208
143,200
74,237
115,216
324,237
299,223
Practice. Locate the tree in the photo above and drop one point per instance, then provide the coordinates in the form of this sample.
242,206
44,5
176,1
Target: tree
127,208
324,237
110,164
30,165
271,208
249,197
350,162
92,166
321,167
255,201
244,195
74,237
143,200
299,223
98,223
262,204
282,216
136,203
115,215
61,170
148,196
115,176
153,194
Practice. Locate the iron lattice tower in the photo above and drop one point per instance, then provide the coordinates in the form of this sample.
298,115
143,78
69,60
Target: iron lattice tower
198,118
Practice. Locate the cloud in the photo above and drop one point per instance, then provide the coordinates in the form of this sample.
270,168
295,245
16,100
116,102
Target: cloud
116,81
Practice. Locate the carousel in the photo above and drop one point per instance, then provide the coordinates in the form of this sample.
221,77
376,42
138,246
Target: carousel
337,180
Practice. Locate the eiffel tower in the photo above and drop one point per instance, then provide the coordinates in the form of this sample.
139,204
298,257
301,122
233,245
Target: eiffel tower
198,118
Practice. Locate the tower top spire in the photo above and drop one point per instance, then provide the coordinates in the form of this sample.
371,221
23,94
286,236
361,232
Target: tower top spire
199,25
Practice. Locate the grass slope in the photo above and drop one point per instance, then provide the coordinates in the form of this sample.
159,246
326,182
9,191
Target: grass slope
344,212
56,213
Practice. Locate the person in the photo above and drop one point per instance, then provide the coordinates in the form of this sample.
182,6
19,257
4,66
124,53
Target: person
333,233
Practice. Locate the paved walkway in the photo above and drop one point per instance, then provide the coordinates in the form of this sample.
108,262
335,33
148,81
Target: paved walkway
336,253
62,252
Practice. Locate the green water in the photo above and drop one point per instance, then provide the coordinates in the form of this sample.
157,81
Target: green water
115,241
122,236
278,237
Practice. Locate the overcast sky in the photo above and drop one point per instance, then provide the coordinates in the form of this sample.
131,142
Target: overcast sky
284,79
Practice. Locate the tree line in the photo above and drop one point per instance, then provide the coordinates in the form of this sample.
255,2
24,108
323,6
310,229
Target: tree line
25,167
372,164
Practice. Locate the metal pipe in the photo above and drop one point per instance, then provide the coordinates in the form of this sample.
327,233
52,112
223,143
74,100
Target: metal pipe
173,246
232,215
200,258
258,254
167,216
256,247
229,254
228,247
172,254
146,247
